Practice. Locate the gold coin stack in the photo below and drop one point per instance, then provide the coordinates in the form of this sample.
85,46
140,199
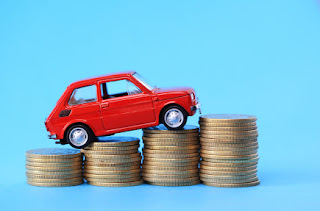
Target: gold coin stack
171,157
229,150
54,167
113,162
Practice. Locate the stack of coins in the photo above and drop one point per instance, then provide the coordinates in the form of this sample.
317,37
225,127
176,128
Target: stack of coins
54,167
171,157
229,150
113,162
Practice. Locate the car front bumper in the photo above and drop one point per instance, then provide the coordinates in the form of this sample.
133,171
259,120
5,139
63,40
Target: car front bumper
196,107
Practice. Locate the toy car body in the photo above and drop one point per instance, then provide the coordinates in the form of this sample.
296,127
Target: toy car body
116,103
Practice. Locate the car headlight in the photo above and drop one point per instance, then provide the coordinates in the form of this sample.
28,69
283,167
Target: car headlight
193,96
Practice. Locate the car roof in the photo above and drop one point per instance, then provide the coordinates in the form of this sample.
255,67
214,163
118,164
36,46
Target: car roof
108,76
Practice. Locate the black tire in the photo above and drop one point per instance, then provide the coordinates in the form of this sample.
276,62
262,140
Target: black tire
89,134
182,123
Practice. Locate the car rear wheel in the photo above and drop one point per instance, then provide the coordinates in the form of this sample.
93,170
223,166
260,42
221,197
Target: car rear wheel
79,136
174,117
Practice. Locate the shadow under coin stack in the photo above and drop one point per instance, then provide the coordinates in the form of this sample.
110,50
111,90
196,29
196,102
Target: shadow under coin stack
171,157
55,167
229,150
113,162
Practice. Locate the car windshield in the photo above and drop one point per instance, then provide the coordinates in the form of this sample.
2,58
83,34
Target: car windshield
143,81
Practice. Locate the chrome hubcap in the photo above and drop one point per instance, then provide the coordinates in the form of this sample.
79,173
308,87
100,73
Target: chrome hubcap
78,136
173,117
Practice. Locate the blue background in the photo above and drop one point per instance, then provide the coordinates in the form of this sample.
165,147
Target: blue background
257,57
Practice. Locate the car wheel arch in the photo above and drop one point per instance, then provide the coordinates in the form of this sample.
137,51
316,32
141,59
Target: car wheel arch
76,123
166,106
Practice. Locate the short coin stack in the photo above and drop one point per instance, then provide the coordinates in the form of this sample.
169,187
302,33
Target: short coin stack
113,162
54,167
229,150
171,157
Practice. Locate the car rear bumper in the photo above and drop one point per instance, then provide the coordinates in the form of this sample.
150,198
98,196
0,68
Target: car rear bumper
52,136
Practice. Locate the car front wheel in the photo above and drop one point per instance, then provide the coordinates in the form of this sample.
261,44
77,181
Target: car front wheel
174,117
79,136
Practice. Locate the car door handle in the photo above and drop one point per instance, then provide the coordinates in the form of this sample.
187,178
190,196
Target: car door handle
105,105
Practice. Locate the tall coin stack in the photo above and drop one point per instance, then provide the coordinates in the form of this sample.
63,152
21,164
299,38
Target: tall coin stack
54,167
113,162
229,150
171,157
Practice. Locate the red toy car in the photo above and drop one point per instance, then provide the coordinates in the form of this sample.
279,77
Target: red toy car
116,103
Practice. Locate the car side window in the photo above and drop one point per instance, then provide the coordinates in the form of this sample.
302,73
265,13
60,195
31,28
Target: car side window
86,94
118,88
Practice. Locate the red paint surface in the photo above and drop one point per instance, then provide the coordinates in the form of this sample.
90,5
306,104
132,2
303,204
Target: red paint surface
109,116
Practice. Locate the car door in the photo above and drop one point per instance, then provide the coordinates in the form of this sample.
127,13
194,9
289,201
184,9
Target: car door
124,105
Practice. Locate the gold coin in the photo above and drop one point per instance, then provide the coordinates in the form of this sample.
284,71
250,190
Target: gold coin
116,184
166,172
64,176
228,118
230,133
53,153
55,169
174,184
233,149
234,146
78,163
162,129
172,148
169,164
173,160
230,181
107,176
214,164
231,153
111,157
229,157
65,180
181,168
224,124
169,176
229,137
104,152
170,152
63,184
215,160
117,172
108,168
218,168
115,165
208,141
215,128
188,143
227,173
113,148
168,180
154,155
112,161
236,185
171,136
131,179
54,160
148,139
115,141
207,178
53,172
